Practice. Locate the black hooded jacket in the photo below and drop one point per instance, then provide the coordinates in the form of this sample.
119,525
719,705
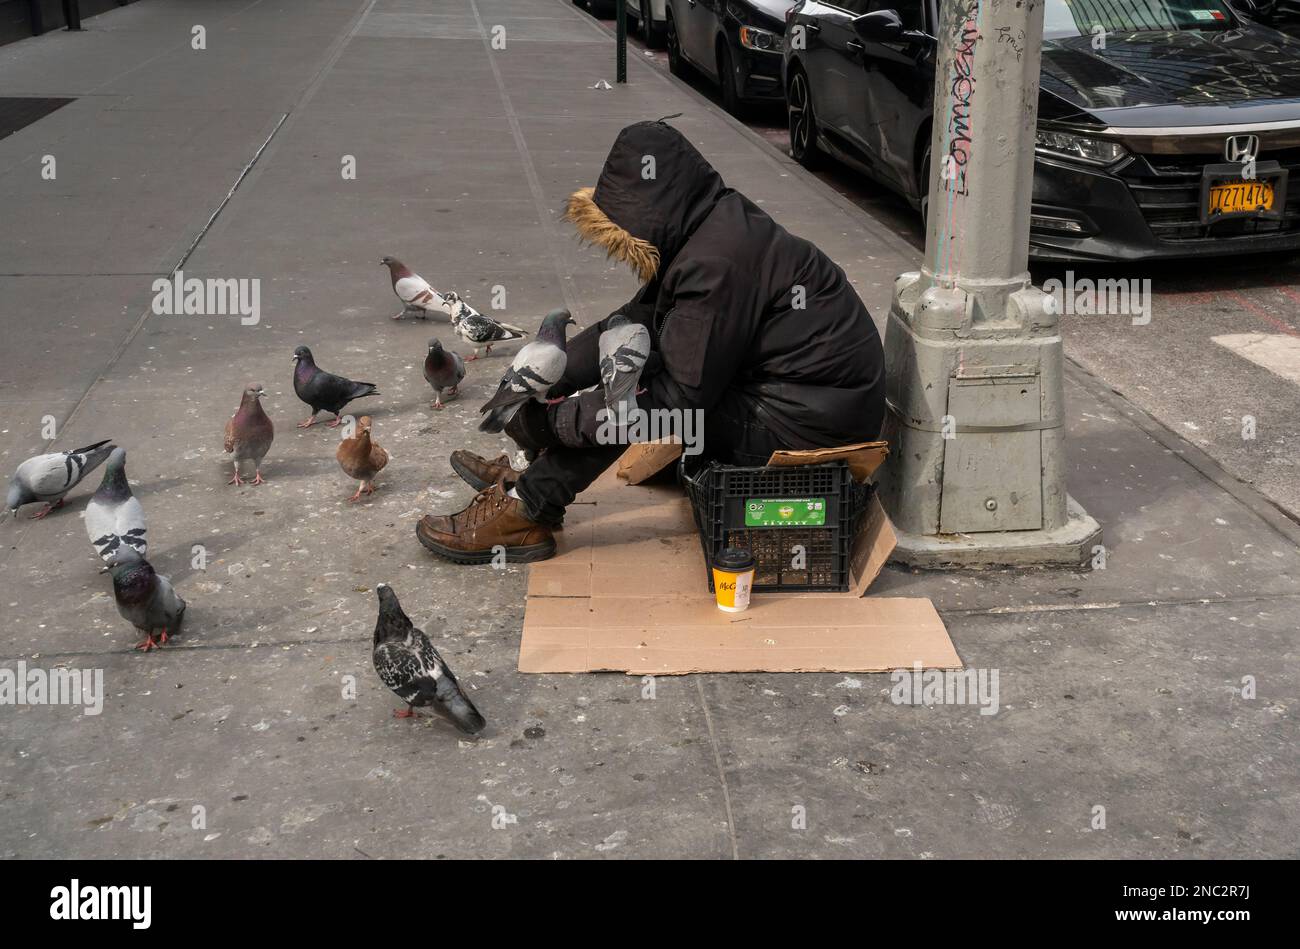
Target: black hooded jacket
738,302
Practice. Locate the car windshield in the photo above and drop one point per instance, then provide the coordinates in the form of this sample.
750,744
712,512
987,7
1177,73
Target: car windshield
1096,17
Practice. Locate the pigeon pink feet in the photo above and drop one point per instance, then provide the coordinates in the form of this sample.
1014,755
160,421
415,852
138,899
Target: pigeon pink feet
409,713
47,509
258,479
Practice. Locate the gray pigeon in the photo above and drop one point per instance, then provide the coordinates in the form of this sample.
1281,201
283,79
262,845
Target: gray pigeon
49,477
624,348
536,368
145,598
443,370
475,328
114,518
409,665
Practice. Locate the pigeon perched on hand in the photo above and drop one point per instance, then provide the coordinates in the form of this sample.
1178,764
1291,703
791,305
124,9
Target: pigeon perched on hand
414,291
362,459
624,348
536,368
49,477
476,329
249,434
145,598
324,390
114,517
409,665
443,371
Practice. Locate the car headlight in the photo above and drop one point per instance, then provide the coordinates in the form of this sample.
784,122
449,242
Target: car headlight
751,37
1094,151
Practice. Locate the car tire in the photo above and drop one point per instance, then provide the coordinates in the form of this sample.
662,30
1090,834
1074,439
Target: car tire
727,81
676,62
653,36
802,120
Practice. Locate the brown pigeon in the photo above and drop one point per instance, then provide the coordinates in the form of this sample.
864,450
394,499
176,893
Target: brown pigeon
249,434
362,459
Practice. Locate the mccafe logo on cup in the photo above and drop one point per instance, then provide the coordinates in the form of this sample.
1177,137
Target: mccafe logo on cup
733,578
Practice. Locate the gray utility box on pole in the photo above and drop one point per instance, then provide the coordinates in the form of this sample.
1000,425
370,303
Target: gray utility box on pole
975,474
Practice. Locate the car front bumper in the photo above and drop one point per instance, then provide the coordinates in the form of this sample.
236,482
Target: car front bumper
1145,209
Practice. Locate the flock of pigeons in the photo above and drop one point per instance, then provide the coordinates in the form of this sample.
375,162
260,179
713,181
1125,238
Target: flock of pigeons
403,656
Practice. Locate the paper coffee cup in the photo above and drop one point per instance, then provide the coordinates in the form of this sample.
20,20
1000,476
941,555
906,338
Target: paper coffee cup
733,578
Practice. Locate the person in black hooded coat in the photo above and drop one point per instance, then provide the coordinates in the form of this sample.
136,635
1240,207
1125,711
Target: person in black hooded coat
751,325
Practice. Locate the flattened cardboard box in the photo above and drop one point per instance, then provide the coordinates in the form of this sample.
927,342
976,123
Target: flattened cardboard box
627,592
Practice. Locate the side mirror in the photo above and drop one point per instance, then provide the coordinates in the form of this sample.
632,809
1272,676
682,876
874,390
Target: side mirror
878,26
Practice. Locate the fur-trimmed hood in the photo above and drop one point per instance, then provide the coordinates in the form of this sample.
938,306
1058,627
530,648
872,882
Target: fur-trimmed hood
652,193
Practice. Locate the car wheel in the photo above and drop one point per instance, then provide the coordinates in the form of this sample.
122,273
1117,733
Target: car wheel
676,63
727,80
802,121
653,36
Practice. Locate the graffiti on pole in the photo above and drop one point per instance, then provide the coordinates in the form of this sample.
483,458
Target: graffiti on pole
963,93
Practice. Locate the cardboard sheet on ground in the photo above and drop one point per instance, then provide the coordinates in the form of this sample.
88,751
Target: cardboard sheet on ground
627,592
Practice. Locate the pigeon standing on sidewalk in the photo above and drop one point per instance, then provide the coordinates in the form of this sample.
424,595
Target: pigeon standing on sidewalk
145,598
361,459
414,291
50,477
536,368
443,371
324,390
476,329
114,517
409,665
249,433
624,348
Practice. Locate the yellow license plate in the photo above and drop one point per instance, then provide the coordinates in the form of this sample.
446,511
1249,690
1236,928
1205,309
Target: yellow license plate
1241,197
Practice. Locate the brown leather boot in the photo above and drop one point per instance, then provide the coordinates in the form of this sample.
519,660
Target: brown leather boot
492,520
477,472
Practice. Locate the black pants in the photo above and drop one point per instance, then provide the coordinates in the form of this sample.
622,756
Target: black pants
733,433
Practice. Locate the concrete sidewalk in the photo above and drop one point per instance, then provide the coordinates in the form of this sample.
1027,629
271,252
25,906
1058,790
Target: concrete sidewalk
1118,688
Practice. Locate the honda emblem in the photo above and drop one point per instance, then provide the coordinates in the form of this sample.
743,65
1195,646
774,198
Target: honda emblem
1241,148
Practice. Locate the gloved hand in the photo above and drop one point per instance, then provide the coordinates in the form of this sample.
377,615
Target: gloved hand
530,427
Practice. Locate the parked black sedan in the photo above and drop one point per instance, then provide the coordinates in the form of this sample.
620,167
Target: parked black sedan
736,43
1140,139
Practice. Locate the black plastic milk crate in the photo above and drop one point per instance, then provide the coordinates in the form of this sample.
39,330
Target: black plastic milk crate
721,495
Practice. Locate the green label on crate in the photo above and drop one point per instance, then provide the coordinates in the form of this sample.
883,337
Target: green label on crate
786,512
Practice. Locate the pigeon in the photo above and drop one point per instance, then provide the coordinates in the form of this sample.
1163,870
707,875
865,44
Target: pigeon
324,390
536,368
409,665
114,518
475,328
443,371
624,348
49,477
362,459
414,291
249,433
145,598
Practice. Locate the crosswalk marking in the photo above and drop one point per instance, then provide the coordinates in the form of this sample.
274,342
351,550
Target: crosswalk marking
1276,352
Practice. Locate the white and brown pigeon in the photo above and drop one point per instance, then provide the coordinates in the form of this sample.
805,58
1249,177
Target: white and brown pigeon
443,371
409,665
417,295
536,368
476,329
49,478
114,517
